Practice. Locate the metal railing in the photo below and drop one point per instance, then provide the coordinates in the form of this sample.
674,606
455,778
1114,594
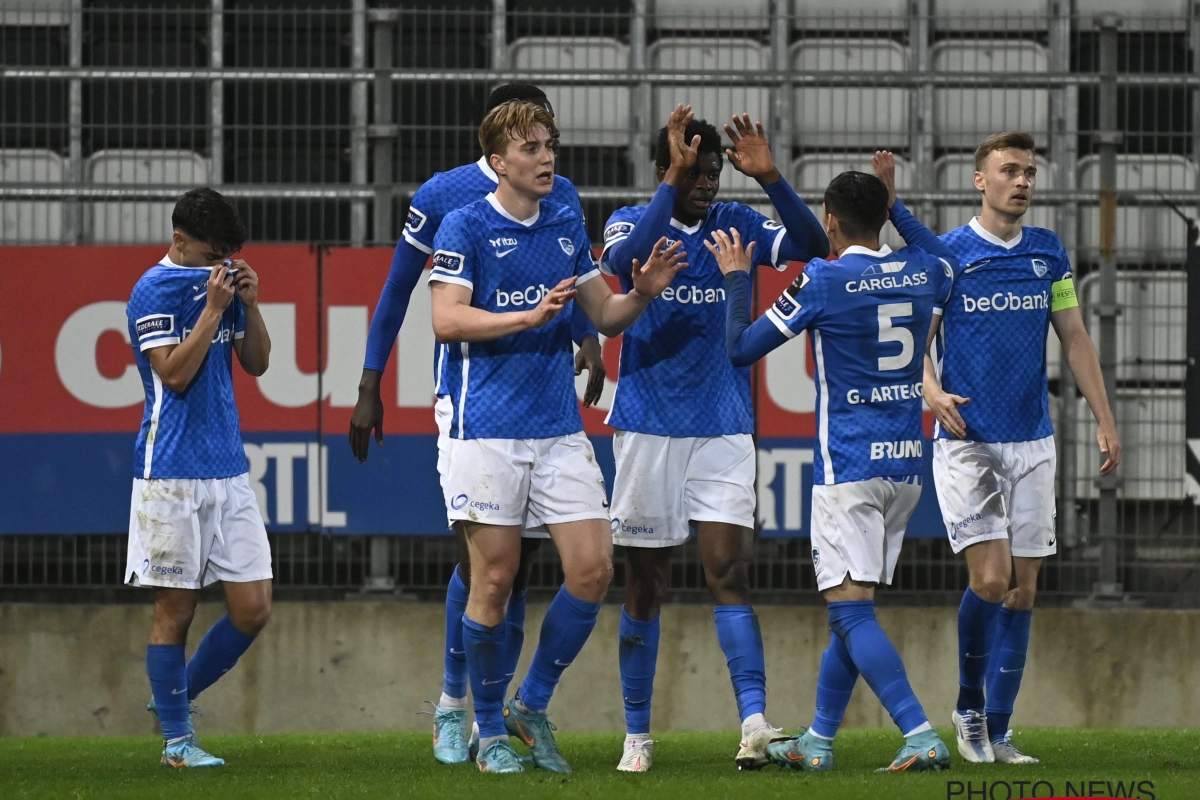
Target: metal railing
322,121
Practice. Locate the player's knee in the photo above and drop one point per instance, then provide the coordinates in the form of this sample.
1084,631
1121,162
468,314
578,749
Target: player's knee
728,579
991,586
589,582
643,597
252,618
1021,598
492,584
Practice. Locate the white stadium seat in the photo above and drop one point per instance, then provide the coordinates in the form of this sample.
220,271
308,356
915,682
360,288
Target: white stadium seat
1148,15
1013,15
1151,423
35,12
1146,232
1152,326
840,116
852,16
964,117
716,104
31,221
586,115
813,173
137,221
957,171
711,15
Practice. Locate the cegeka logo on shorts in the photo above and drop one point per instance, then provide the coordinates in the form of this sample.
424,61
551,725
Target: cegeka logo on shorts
160,569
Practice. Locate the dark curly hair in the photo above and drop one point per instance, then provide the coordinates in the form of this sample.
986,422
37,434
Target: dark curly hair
208,216
860,203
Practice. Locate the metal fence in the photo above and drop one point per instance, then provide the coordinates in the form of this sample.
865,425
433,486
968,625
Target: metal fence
322,117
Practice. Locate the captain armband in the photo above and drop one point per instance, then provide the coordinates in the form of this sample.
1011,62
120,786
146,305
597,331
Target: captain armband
1062,295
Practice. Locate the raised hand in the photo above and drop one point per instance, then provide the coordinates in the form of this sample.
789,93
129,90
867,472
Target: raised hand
551,304
246,283
751,155
660,270
683,153
885,169
728,250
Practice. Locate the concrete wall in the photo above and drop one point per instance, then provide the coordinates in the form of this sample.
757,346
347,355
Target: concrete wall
80,670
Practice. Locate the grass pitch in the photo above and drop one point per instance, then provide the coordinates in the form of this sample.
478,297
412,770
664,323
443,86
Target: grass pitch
1151,764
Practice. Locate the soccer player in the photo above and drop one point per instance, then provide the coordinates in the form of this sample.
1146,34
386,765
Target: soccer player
993,456
684,449
503,269
866,311
194,519
441,194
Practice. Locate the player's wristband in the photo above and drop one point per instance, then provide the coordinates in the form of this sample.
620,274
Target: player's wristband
1062,295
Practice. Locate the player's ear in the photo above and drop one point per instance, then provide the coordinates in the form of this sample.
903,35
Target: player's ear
496,162
662,173
978,181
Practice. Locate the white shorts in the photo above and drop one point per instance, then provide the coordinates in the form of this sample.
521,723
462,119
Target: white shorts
443,410
187,533
665,482
997,491
527,482
857,528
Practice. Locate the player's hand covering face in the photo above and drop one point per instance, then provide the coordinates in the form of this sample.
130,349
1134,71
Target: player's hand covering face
660,270
885,169
1007,181
246,283
528,162
751,155
727,249
220,288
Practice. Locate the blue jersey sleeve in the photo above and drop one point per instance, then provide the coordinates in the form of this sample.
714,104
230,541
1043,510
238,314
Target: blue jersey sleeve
425,214
805,238
154,315
746,342
801,304
765,232
915,233
942,277
454,252
631,232
408,262
571,196
586,267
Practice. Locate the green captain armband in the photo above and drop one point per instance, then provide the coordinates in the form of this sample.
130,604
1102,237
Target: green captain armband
1062,295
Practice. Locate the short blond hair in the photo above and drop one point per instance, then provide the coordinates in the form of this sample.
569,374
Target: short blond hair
511,120
1008,140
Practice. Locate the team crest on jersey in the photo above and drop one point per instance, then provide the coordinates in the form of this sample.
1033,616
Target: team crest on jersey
885,269
772,225
567,245
448,262
816,557
415,221
1040,268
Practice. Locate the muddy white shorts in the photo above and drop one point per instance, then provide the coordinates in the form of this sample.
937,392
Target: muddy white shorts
858,527
443,410
527,482
997,491
188,533
663,482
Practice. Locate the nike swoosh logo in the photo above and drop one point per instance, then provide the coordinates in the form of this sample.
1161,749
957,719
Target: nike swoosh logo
202,294
178,691
491,683
1002,669
457,652
558,663
977,265
503,253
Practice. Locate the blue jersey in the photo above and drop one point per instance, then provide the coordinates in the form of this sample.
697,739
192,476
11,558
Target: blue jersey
676,378
193,434
520,386
450,191
993,338
868,314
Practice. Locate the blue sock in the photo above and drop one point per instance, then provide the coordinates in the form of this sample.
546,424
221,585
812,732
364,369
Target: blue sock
168,681
976,633
741,641
835,684
219,650
638,658
454,680
516,634
485,663
565,628
1007,669
877,661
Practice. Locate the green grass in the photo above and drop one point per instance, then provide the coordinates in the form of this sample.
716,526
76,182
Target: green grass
695,766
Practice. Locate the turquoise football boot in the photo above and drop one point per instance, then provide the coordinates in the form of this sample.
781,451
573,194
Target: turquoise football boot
184,752
804,752
450,735
537,732
925,752
499,757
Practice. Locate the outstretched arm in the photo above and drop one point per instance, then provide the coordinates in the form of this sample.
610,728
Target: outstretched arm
805,238
746,342
909,227
613,313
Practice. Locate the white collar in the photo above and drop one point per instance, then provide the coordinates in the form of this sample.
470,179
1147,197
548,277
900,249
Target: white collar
693,229
167,262
859,250
486,169
528,223
988,236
